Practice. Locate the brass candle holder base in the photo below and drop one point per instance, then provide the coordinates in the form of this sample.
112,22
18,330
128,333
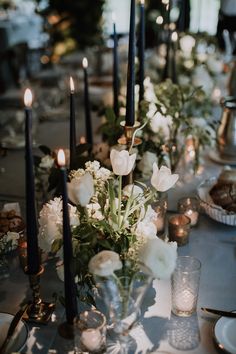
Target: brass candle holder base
38,311
127,138
66,330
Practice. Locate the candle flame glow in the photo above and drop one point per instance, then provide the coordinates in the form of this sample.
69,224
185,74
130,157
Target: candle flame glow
113,16
28,98
85,63
174,36
72,86
142,2
61,160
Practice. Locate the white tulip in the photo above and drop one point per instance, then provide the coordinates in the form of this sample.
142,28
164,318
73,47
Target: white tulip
159,257
162,179
132,190
104,263
81,190
122,163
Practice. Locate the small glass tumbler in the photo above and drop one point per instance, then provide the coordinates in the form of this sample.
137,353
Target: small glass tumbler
179,229
90,332
190,207
184,286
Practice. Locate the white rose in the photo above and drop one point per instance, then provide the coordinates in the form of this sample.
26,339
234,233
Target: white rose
122,163
202,78
159,257
215,65
162,179
104,263
186,44
81,190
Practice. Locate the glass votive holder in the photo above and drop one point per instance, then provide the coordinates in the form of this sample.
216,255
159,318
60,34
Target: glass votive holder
189,206
90,332
184,285
160,207
179,228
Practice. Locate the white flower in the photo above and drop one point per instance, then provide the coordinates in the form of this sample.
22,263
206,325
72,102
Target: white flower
122,163
162,179
146,163
161,124
215,65
81,190
201,77
159,257
105,263
132,189
149,93
152,110
186,44
50,222
12,236
145,230
94,211
46,162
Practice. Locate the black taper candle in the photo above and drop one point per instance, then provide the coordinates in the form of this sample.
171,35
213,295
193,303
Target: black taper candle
33,259
72,126
115,71
88,123
130,114
141,49
69,281
166,71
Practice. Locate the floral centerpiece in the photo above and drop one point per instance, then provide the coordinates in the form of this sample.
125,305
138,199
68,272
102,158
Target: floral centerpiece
106,217
172,113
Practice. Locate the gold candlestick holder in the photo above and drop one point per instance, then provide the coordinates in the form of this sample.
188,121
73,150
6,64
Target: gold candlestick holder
37,311
129,140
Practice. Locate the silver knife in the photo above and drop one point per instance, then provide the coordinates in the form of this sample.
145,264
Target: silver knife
219,312
13,325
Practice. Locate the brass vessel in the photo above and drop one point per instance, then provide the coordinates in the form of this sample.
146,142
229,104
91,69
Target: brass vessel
226,134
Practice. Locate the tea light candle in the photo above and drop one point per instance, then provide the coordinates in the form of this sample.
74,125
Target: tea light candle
185,300
179,227
91,339
190,207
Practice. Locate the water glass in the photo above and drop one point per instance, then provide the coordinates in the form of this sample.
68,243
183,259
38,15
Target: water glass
90,332
184,286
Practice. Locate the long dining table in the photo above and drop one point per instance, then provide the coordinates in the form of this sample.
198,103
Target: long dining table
158,331
213,243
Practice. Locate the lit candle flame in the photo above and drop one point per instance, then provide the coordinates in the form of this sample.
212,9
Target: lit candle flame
72,86
113,16
28,98
85,63
174,36
61,160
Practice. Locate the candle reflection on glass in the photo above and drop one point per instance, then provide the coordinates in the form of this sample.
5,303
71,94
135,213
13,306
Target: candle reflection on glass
179,228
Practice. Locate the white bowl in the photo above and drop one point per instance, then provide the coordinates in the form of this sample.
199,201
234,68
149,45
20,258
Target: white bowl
216,212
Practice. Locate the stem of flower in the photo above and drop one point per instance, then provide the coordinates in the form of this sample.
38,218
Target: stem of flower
119,201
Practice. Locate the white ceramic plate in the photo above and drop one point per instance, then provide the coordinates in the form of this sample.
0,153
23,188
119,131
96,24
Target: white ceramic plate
225,334
19,337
